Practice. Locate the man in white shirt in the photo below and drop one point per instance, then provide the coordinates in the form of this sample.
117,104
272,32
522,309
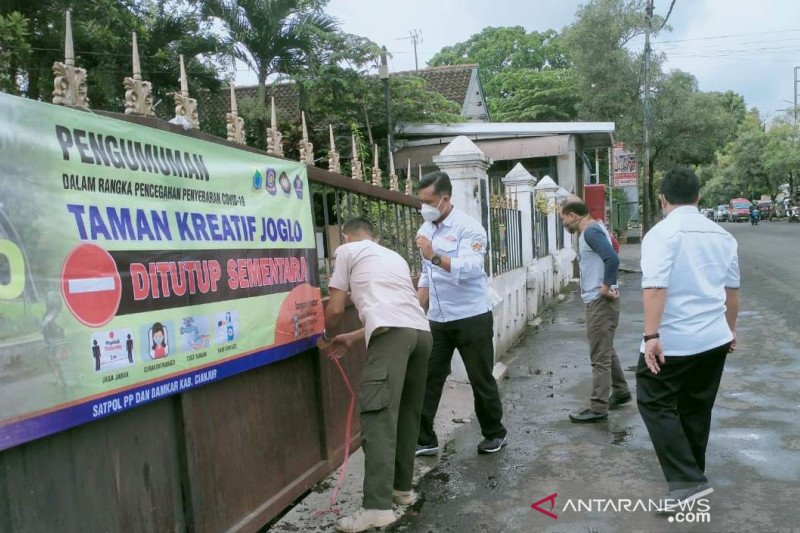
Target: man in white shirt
690,282
398,341
453,287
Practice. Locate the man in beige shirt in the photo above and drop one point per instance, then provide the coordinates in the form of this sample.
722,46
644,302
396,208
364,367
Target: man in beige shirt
398,340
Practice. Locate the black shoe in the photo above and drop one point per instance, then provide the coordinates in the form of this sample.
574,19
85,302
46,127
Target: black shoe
427,449
492,445
617,400
677,498
587,416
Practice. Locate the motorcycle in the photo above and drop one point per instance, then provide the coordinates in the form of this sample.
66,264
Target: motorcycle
794,214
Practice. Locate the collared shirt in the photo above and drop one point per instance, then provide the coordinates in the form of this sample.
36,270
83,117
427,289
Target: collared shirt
598,261
460,293
695,260
380,286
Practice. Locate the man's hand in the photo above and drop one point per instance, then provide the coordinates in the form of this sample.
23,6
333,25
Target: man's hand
608,293
341,344
654,355
733,343
425,247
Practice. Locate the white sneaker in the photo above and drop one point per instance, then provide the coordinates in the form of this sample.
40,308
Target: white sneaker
404,497
365,519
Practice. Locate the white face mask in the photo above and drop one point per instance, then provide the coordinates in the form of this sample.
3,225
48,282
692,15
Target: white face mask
430,213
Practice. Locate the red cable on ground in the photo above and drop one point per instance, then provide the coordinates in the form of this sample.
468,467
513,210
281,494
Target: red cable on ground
347,429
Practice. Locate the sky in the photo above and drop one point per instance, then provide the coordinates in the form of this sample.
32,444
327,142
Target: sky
748,46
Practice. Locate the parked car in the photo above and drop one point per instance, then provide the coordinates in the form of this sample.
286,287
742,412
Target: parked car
739,209
721,213
709,213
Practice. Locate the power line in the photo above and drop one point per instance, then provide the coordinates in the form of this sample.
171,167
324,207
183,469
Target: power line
727,36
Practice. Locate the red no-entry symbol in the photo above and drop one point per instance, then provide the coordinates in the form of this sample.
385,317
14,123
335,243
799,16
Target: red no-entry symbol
90,285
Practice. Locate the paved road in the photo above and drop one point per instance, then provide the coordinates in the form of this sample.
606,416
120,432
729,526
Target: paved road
754,452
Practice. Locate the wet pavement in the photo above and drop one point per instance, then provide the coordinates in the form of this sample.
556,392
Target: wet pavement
596,469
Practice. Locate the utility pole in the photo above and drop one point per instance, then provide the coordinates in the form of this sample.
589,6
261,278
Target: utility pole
383,74
416,37
647,208
796,86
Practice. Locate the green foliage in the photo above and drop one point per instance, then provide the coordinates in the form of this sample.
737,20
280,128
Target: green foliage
15,50
102,39
528,95
525,75
609,76
271,37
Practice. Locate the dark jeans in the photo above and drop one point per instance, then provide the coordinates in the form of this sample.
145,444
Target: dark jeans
473,338
675,405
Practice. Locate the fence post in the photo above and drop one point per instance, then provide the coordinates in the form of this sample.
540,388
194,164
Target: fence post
467,165
520,184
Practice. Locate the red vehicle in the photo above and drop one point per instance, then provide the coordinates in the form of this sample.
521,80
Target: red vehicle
739,209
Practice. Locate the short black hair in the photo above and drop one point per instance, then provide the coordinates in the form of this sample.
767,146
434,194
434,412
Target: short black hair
680,186
575,206
439,180
358,225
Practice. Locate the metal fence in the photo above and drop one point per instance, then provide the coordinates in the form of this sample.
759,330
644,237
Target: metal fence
541,242
559,233
336,199
506,245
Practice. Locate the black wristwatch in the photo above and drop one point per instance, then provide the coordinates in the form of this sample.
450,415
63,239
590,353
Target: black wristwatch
651,337
436,259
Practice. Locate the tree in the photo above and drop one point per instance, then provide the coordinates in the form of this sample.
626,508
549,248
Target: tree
530,95
102,39
609,75
271,36
525,75
15,50
339,87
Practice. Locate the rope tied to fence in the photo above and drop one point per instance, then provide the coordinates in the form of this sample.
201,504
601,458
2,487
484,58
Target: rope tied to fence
347,430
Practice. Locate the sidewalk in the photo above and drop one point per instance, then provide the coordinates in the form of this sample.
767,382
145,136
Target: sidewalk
455,411
455,414
630,257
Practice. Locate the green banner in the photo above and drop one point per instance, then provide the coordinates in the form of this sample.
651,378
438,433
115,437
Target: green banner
137,263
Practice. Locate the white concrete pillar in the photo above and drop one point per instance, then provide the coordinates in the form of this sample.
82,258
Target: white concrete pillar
519,184
466,165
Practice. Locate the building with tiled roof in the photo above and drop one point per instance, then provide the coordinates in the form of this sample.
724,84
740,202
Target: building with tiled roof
458,83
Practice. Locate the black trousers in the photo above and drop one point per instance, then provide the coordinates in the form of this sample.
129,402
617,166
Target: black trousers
473,338
675,405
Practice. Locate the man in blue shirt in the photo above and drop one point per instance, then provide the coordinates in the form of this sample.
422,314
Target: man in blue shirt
598,264
453,289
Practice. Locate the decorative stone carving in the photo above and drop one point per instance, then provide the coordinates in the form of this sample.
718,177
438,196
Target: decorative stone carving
235,123
274,137
138,93
69,86
333,155
185,107
306,148
394,183
376,170
409,186
357,171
